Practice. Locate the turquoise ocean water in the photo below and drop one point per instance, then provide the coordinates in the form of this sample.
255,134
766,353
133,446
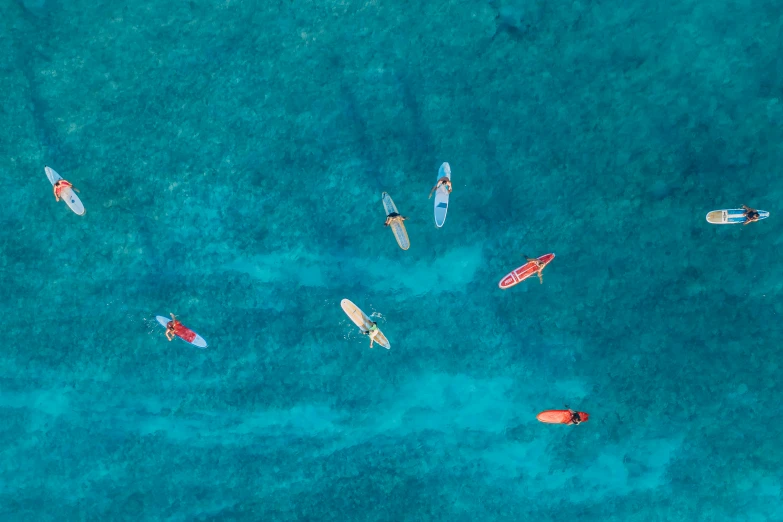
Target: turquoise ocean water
231,155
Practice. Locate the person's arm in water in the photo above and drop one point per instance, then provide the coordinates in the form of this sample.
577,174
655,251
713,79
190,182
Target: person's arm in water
56,195
434,189
541,276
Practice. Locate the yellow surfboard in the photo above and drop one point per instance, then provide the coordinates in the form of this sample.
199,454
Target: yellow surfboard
397,226
361,320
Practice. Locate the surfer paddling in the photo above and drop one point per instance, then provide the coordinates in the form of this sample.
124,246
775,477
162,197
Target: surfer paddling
172,327
575,417
391,218
176,329
540,265
444,181
751,215
372,332
59,185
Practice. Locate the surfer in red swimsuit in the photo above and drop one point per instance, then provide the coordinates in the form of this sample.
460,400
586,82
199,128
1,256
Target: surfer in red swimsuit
540,264
173,328
750,214
442,181
176,329
59,185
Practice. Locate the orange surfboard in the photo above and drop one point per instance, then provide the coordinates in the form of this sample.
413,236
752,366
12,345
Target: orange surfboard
523,272
560,416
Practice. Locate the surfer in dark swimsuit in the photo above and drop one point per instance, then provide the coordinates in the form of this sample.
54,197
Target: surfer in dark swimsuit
393,217
750,214
540,265
442,181
575,417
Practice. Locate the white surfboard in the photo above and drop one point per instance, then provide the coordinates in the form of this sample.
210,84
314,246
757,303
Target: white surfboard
442,196
731,216
197,341
398,227
361,320
66,194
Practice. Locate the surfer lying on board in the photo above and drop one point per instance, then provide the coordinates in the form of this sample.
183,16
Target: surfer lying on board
394,217
372,332
171,328
575,417
540,264
442,181
750,214
59,185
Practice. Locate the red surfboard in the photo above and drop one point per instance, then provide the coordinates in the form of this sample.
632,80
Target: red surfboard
560,416
523,272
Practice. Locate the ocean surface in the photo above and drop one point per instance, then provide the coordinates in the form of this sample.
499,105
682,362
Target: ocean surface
231,155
